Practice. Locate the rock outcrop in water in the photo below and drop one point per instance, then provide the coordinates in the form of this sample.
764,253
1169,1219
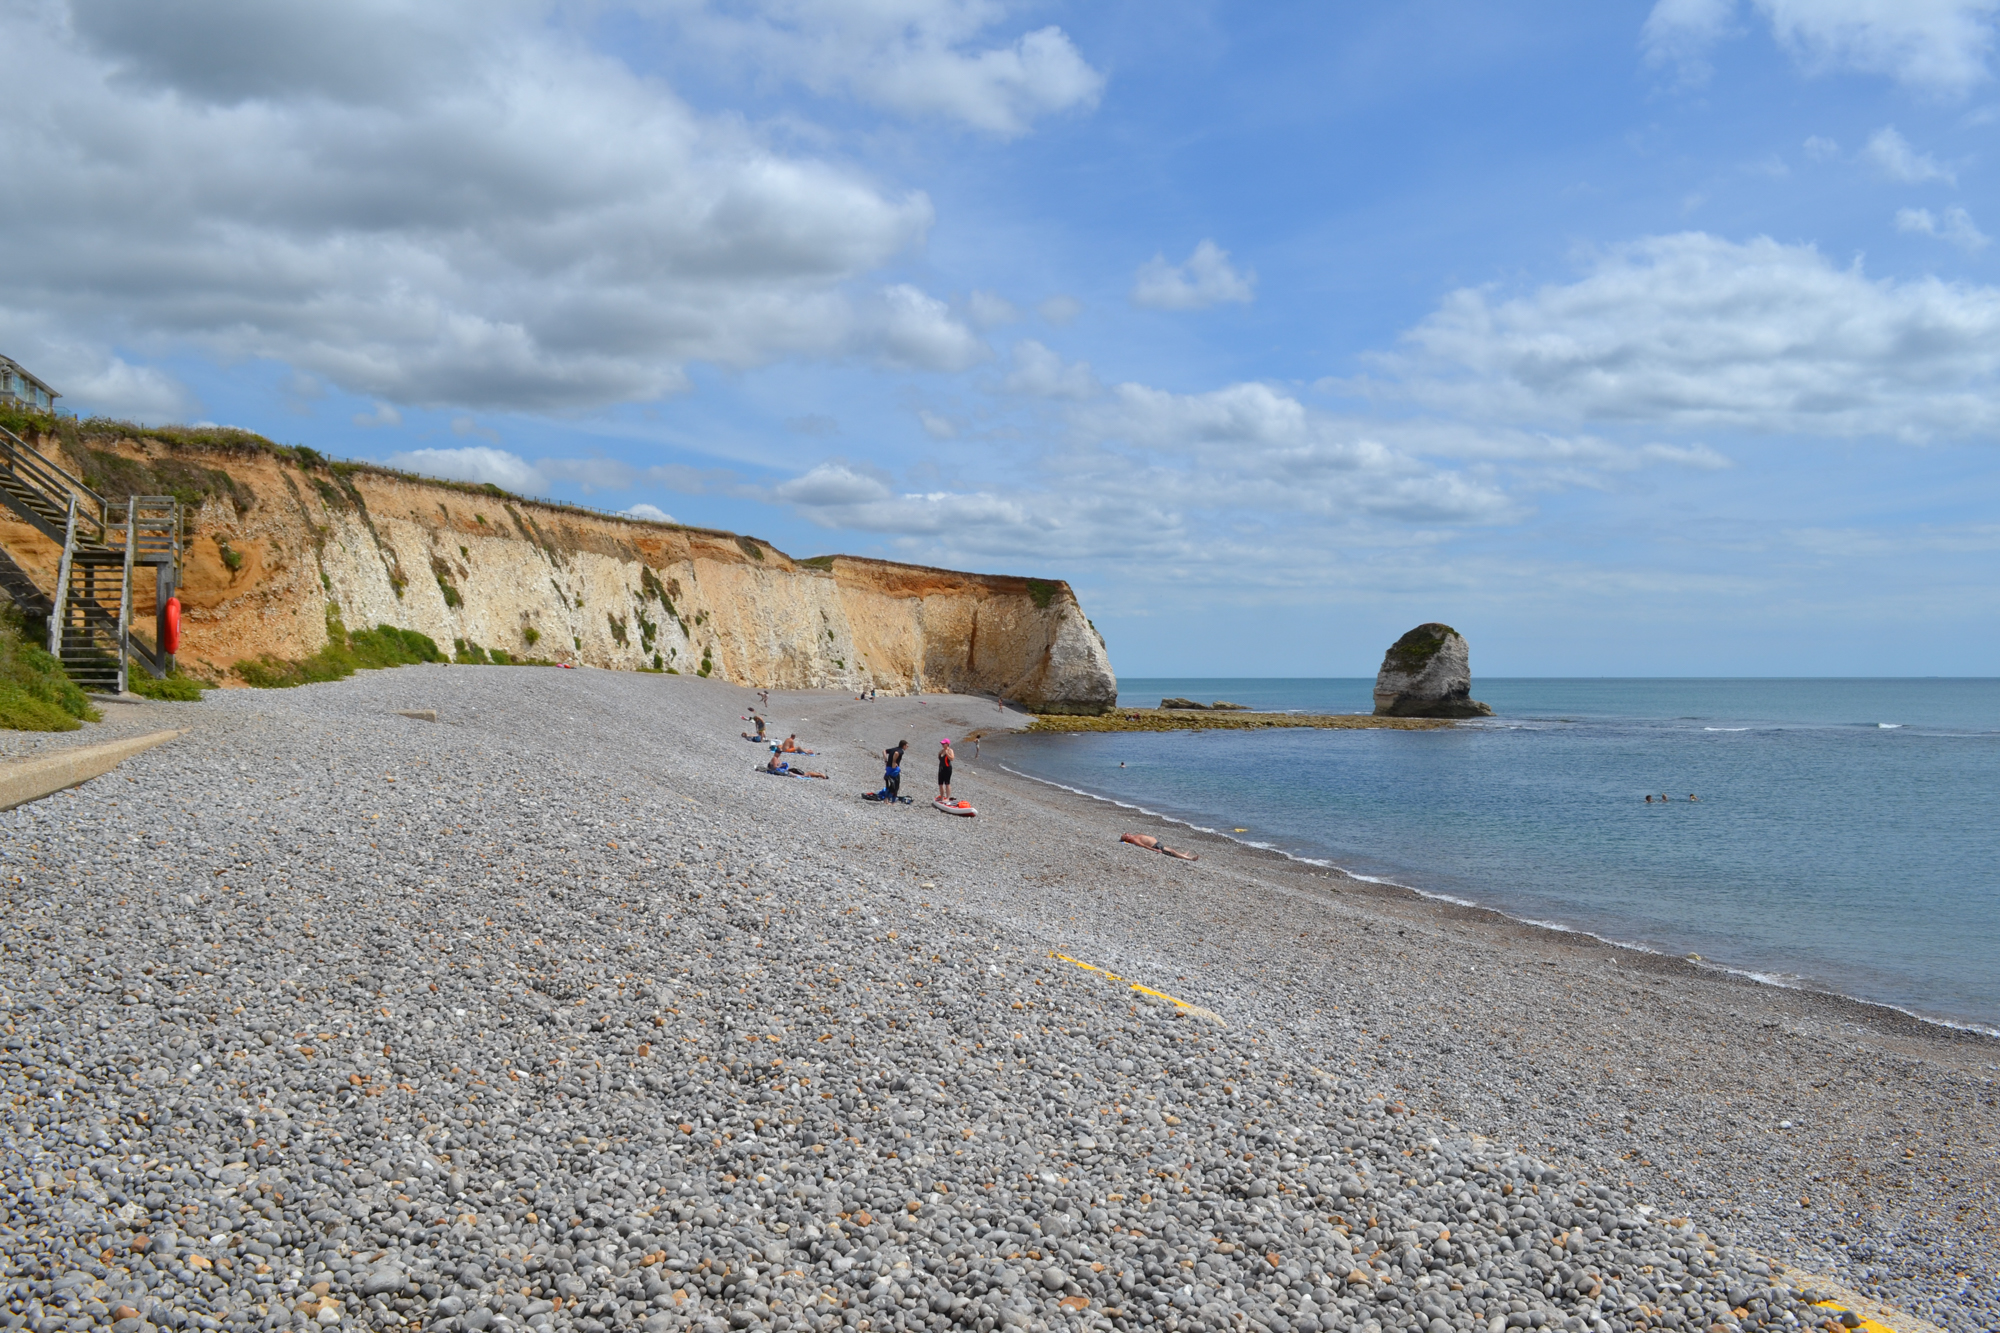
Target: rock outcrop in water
1428,673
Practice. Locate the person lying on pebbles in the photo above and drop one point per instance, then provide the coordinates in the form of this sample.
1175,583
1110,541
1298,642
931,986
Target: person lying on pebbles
783,768
1152,843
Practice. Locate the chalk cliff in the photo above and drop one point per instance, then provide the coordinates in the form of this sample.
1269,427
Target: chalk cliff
1428,673
278,536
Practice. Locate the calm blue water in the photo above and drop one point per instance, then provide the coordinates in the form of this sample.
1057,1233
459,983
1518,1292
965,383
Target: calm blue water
1847,835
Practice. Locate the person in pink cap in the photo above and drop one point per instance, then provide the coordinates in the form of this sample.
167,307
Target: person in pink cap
945,757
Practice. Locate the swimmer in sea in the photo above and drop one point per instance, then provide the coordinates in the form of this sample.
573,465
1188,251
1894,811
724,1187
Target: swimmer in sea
1649,798
1693,797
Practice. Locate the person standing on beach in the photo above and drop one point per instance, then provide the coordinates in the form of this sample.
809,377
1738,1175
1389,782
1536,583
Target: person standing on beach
892,770
945,756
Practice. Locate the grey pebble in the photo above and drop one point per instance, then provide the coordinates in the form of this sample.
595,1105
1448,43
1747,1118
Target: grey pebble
553,1017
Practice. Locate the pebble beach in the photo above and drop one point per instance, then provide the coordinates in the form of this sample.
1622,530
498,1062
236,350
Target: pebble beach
554,1013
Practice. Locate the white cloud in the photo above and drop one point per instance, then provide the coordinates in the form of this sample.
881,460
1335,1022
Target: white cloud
1895,158
1041,373
1206,279
1935,46
919,331
1681,33
936,425
922,58
1695,332
450,204
1821,149
475,464
1060,310
1939,46
986,310
650,513
382,415
835,484
111,386
1957,227
465,427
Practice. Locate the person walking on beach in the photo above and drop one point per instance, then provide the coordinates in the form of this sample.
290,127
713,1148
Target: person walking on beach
892,770
945,756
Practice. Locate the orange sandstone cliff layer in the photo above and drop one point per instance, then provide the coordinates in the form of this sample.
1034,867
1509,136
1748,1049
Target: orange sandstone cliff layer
277,539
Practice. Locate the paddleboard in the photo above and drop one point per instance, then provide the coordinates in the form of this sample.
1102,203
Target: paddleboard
956,807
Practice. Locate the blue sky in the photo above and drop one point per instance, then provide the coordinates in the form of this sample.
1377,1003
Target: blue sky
1628,338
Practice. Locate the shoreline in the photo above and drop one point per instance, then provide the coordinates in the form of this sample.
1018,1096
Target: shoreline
1828,1136
1700,963
1232,719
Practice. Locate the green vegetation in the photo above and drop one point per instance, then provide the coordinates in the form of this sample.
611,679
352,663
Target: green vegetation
110,474
530,635
387,646
232,559
707,661
441,571
819,562
469,653
35,695
1043,592
175,688
750,547
1414,651
618,629
343,655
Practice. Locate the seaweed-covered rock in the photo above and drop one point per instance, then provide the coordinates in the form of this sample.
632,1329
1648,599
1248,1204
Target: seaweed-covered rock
1428,673
1182,703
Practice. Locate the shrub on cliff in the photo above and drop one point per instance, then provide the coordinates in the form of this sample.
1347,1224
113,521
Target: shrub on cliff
35,695
344,654
175,688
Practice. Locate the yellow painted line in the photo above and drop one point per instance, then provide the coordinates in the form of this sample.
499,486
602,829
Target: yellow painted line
1866,1325
1192,1010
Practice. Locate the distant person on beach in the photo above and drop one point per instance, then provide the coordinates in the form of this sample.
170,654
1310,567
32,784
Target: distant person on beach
764,698
784,769
945,757
892,770
1153,844
758,723
790,745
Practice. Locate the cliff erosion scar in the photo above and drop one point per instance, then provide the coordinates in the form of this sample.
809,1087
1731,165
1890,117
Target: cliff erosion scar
278,540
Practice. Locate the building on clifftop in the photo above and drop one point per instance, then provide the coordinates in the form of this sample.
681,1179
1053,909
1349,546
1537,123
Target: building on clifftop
18,386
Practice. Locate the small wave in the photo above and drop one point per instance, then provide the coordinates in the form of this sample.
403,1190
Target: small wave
1725,728
1890,726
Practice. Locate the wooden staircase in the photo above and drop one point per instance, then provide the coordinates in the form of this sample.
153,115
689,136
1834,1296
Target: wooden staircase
104,545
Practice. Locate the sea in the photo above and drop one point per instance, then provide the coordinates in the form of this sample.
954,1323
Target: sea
1839,835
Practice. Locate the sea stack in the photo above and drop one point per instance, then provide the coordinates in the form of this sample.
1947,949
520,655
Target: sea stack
1427,673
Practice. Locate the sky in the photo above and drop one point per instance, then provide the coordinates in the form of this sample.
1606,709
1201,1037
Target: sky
1630,339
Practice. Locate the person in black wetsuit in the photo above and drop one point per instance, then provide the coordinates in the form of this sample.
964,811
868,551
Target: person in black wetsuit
945,756
892,770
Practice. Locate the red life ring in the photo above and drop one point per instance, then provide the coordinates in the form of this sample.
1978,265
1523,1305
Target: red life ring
173,643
